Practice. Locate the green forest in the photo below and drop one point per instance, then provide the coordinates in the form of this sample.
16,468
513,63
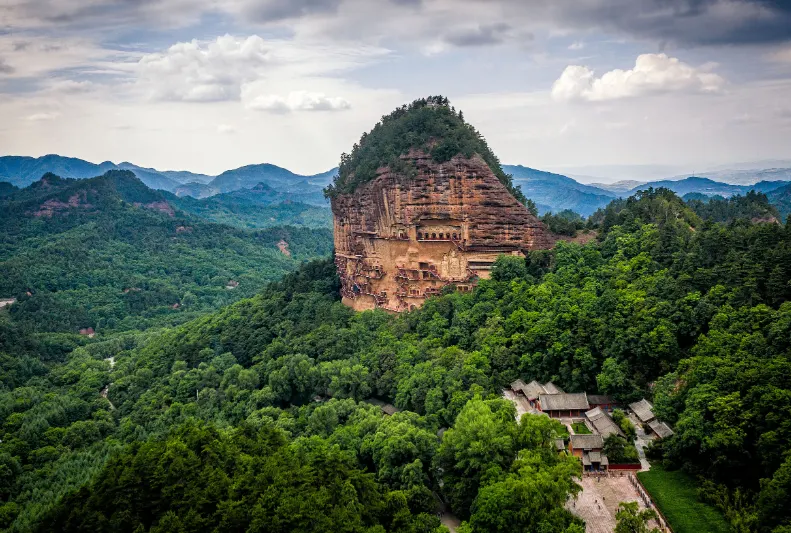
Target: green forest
110,254
264,416
259,207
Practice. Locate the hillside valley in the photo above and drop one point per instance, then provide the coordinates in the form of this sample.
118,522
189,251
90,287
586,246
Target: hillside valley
260,206
110,254
685,303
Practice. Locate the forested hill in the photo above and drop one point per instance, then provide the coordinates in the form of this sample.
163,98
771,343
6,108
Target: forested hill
428,124
108,253
255,418
781,198
279,178
260,207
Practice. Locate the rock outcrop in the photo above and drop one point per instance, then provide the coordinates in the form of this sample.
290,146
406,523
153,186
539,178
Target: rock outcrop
403,236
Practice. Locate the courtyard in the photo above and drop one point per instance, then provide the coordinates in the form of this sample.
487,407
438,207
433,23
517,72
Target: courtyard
599,499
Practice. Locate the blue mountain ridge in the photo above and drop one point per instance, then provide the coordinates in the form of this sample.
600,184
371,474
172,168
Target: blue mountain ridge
550,191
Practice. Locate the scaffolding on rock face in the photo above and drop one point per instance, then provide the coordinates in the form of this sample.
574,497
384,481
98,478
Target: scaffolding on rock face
405,274
400,236
357,277
358,283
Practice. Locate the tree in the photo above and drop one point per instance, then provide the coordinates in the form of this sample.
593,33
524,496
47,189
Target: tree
772,506
619,451
509,267
400,448
620,418
613,378
530,500
531,206
479,447
630,519
537,432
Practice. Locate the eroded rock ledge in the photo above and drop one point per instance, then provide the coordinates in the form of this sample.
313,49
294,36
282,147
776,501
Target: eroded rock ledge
401,238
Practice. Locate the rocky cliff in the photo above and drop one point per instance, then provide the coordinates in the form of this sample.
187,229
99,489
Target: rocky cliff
422,204
403,236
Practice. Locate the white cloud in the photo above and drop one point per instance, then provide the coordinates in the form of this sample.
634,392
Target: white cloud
226,129
577,45
222,69
204,72
652,74
297,101
683,130
42,117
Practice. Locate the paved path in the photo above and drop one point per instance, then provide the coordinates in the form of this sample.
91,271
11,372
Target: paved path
450,521
521,403
642,440
446,517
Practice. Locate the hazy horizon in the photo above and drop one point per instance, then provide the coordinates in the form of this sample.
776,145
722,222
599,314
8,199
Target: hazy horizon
587,174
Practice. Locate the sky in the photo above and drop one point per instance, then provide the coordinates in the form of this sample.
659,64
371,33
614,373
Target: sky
572,85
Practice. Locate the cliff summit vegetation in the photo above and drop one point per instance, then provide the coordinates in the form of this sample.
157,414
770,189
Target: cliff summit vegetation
429,124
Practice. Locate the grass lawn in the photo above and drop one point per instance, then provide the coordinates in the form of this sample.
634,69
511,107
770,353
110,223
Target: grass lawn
580,428
675,495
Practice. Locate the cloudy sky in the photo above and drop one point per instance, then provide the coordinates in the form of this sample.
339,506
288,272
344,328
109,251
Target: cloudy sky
215,84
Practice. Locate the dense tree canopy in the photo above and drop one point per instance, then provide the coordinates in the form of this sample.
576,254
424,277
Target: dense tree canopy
110,254
259,207
752,206
666,304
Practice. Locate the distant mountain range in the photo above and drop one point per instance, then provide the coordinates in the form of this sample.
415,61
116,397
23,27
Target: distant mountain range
555,192
276,177
22,171
748,176
273,185
618,186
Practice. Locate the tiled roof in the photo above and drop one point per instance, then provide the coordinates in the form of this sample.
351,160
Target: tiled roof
594,457
587,442
599,399
551,388
517,385
643,410
533,389
660,428
602,422
564,401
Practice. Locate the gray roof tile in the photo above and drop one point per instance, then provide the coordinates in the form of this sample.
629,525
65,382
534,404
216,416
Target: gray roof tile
564,401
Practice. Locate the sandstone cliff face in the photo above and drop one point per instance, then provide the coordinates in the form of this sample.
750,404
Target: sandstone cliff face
400,239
